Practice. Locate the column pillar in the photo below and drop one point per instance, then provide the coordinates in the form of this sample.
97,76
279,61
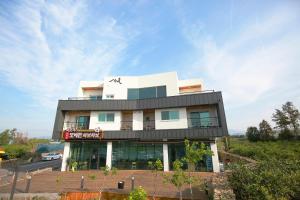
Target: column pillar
65,156
108,154
137,120
166,157
215,157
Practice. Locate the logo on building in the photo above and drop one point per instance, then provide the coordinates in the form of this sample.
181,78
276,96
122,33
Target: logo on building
116,80
90,134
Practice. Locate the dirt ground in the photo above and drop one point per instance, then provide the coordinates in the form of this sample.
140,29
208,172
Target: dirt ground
60,182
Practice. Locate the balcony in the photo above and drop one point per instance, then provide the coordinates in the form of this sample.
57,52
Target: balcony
149,125
205,122
126,125
76,125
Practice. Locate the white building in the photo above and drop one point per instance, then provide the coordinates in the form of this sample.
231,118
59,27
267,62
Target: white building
125,121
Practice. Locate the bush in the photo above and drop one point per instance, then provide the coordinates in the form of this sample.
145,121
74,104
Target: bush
16,150
268,180
138,194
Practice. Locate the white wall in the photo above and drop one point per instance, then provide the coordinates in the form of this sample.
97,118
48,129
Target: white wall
137,120
171,124
215,157
120,90
106,126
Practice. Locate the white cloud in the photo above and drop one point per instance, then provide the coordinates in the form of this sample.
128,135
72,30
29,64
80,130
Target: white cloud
259,61
46,48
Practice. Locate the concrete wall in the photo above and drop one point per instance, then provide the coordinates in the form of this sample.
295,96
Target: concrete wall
171,124
137,120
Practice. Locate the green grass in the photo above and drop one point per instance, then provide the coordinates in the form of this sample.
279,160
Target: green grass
286,150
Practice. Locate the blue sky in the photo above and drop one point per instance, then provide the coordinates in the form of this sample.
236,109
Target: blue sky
250,50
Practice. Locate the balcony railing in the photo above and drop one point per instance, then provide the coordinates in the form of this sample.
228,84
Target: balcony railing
204,122
149,125
95,98
76,125
126,125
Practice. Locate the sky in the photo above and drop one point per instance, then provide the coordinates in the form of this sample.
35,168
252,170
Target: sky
249,50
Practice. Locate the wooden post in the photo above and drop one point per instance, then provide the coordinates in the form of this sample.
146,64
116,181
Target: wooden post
14,182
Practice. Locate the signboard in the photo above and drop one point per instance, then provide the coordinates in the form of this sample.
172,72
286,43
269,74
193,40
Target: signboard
90,134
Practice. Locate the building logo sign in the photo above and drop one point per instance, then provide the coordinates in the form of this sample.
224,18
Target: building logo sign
116,80
90,134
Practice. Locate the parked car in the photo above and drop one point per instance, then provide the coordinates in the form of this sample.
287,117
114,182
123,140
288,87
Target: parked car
3,156
52,156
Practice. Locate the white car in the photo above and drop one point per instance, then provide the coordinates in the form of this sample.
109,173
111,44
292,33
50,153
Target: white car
52,156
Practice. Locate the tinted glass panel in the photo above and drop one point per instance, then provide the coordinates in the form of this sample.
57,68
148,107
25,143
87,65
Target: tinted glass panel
145,93
101,117
165,115
110,117
205,118
133,94
174,115
169,115
161,91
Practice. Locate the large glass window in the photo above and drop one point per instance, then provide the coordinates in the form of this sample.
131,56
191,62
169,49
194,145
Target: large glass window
146,93
133,155
106,117
89,155
82,122
169,115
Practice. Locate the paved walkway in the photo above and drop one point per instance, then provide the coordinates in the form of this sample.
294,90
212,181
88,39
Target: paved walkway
55,181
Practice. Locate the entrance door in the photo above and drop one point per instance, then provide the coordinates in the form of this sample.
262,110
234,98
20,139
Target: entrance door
94,159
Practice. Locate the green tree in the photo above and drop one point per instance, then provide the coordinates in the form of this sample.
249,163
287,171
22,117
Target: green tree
138,194
252,134
178,177
287,120
107,171
194,152
155,167
5,137
265,131
293,116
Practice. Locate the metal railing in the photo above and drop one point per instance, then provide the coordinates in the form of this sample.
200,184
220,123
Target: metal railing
204,122
95,98
77,125
126,125
149,125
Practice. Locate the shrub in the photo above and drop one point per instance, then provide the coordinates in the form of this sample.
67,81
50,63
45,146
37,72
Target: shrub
268,180
138,194
16,150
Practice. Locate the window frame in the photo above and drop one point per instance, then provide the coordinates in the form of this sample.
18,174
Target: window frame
169,115
106,117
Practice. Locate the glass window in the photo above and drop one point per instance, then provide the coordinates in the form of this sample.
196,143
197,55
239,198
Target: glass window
102,117
146,93
110,117
133,94
169,115
106,117
161,91
110,96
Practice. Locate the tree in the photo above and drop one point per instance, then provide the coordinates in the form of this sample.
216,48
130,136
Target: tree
178,177
138,194
194,152
293,116
265,131
5,137
106,171
155,167
252,134
287,120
